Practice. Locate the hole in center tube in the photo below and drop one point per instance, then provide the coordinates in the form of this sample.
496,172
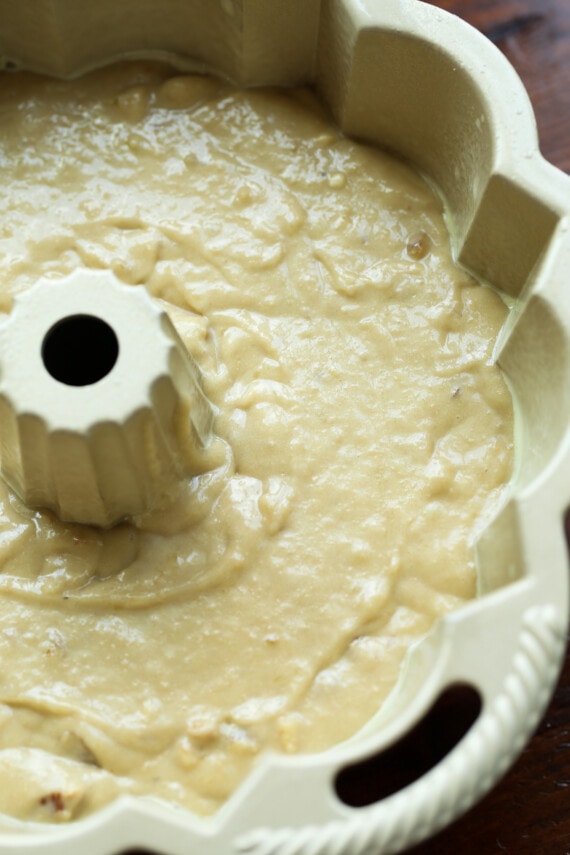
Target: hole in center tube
80,350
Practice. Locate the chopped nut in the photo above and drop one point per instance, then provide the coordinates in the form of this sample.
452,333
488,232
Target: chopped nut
54,800
418,246
133,104
62,806
203,725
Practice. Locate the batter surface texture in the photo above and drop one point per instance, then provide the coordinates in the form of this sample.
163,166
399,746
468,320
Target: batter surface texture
363,437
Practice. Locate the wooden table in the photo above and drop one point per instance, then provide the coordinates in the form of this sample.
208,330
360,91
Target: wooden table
528,813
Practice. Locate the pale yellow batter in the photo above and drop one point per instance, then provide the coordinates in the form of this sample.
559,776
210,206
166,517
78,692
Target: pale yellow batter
364,435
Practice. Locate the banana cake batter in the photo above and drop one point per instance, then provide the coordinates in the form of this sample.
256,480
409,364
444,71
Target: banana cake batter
363,436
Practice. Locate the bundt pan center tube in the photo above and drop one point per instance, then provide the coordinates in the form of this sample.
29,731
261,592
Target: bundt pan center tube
415,80
101,406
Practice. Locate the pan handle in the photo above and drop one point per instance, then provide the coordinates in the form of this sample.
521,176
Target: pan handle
513,702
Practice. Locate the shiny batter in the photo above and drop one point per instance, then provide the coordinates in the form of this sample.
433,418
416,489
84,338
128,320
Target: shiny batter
363,437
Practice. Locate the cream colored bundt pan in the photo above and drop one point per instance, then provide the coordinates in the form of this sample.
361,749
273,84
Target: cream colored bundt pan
409,77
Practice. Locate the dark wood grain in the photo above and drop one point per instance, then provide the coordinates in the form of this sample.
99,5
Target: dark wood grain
528,813
535,37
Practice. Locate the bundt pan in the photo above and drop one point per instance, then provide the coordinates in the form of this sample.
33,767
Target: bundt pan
408,77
